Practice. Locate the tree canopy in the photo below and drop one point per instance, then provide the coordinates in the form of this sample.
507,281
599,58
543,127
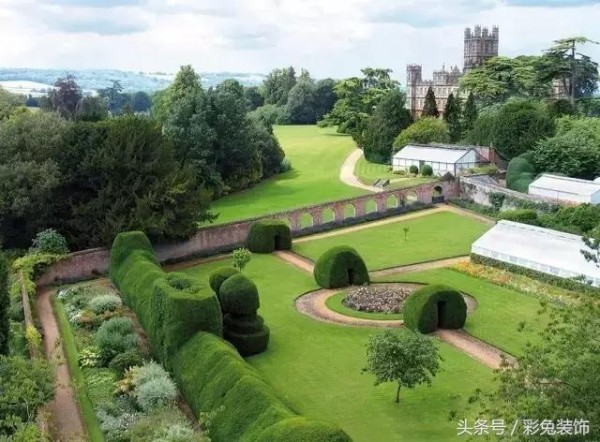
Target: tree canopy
423,131
430,108
453,118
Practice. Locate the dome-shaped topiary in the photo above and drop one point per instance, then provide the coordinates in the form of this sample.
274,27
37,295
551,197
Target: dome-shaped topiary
219,276
434,306
239,295
426,170
340,267
266,236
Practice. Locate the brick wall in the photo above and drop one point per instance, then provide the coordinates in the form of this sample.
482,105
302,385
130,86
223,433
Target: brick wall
208,240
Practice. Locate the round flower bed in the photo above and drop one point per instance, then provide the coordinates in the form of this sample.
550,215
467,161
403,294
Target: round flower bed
377,298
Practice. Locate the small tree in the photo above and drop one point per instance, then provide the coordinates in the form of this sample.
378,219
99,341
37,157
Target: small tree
241,257
452,117
50,241
406,229
430,108
407,358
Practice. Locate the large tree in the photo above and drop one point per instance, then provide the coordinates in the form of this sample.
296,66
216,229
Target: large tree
577,72
65,96
513,128
469,115
301,104
389,119
358,98
278,85
423,131
141,102
453,117
254,97
4,306
406,358
430,108
554,379
574,151
9,103
325,97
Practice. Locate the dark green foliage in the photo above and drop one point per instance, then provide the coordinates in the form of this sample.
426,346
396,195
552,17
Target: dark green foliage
300,104
325,97
413,169
423,131
243,327
123,361
116,336
426,170
278,84
430,108
50,241
170,307
389,119
340,267
271,153
579,220
496,199
469,115
239,295
212,375
254,97
526,216
513,128
4,306
452,117
420,311
520,173
219,276
266,236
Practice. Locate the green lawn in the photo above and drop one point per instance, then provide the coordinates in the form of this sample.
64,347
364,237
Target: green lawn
316,155
369,172
336,304
500,311
435,236
316,367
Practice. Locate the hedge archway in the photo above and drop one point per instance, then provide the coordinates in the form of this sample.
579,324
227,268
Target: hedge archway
435,306
340,267
269,235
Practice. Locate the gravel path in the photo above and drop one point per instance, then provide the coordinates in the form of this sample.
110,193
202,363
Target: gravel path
347,173
64,408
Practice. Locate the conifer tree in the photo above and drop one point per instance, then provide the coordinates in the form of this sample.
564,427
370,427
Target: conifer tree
430,108
452,116
469,114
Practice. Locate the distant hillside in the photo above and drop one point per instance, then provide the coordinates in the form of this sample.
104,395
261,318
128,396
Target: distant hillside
92,79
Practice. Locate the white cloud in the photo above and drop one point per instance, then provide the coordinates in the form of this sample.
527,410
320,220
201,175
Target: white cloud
330,38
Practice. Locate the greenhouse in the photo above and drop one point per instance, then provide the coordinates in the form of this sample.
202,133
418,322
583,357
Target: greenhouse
545,250
566,189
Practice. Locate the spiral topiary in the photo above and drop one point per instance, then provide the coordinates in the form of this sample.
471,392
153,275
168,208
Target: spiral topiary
340,267
266,236
434,306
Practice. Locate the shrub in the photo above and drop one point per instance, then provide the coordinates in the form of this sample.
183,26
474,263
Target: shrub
213,375
413,169
219,276
148,372
339,267
426,170
50,241
267,236
285,166
155,393
115,336
526,216
241,257
123,361
239,295
89,357
421,309
105,303
520,173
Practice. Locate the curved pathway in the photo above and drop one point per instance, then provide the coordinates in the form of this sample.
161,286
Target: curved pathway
347,173
64,408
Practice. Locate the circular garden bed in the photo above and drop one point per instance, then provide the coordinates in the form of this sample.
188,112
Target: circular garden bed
376,301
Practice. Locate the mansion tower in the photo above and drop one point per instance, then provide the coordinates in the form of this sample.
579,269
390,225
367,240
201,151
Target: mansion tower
480,45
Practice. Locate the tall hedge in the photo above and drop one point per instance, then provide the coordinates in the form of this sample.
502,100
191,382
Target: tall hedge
170,307
420,311
269,235
4,306
340,267
520,173
212,375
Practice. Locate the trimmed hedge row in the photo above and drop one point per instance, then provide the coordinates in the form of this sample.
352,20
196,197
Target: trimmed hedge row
213,376
526,216
171,307
340,267
266,236
421,309
568,284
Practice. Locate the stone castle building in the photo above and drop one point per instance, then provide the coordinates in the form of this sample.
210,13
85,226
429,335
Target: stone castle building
480,45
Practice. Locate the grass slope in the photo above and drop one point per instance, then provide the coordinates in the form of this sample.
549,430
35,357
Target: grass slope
500,312
435,236
369,172
316,367
316,156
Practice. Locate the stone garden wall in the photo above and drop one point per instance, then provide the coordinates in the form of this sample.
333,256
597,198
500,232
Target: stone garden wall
208,240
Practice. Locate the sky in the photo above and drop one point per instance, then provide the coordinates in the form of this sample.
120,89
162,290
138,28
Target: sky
330,38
